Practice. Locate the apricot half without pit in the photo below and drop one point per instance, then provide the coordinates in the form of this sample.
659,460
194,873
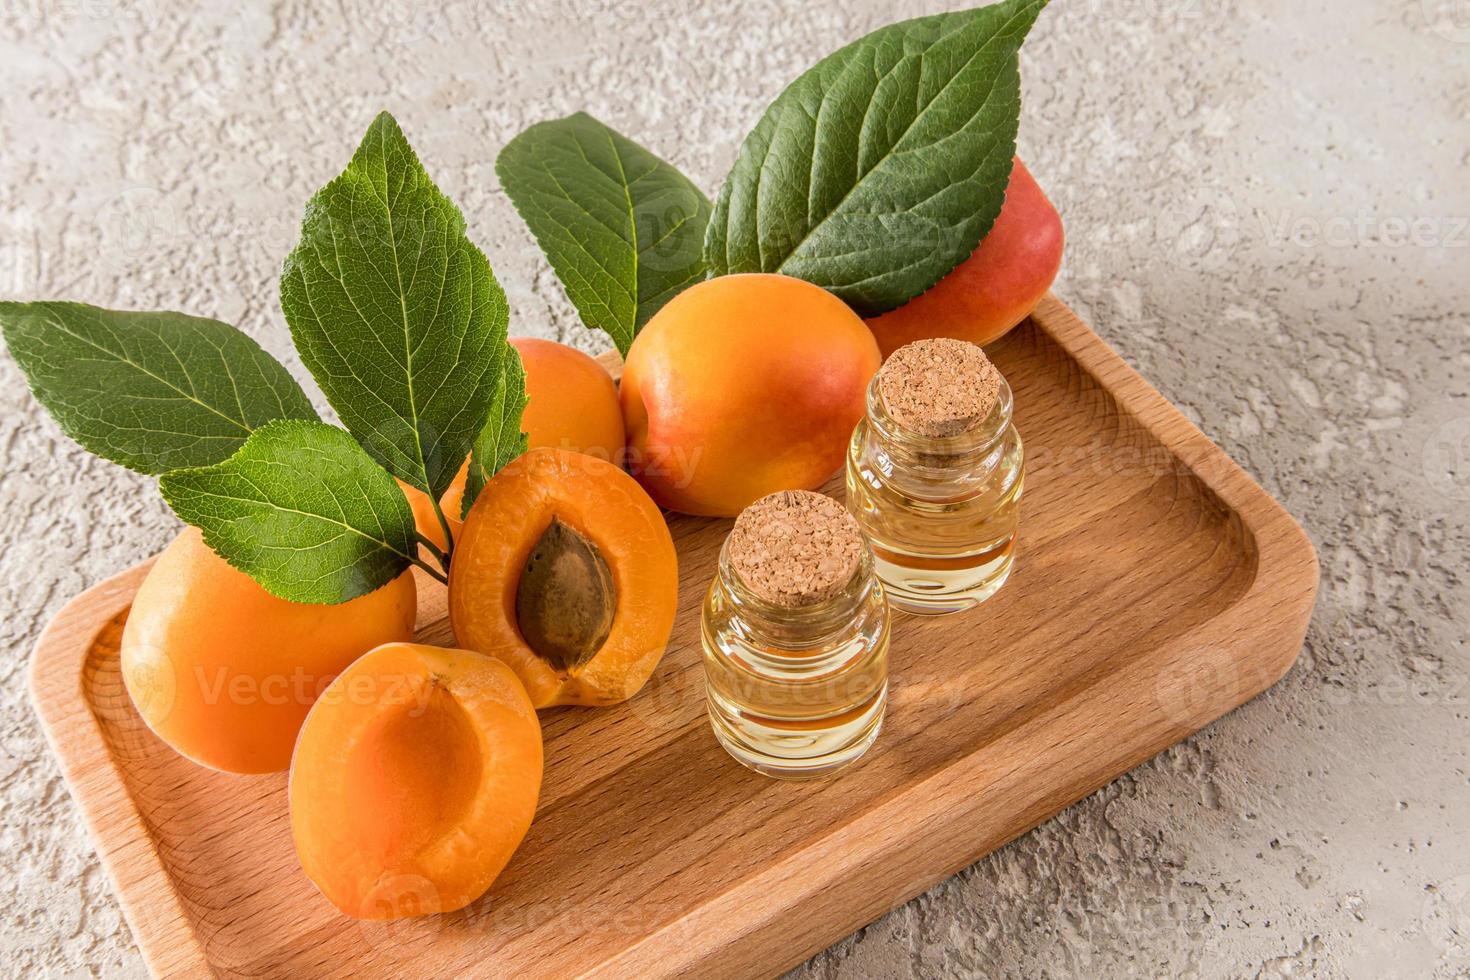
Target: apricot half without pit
414,781
566,571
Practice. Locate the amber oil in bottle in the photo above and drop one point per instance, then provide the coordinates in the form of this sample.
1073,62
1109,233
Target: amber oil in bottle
795,635
934,476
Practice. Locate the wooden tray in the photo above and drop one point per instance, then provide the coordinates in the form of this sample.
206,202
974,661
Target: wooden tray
1157,588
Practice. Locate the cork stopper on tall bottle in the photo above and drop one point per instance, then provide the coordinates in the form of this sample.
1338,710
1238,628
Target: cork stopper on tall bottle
938,388
795,548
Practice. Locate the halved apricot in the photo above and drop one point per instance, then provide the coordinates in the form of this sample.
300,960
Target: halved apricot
414,781
567,572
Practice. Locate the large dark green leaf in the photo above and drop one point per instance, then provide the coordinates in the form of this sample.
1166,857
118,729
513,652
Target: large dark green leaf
152,391
622,229
396,313
302,510
881,168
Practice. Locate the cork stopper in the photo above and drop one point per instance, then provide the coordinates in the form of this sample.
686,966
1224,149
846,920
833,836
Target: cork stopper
795,548
939,388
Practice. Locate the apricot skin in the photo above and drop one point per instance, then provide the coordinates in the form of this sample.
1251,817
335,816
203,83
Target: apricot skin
571,403
741,386
606,507
415,779
225,672
997,287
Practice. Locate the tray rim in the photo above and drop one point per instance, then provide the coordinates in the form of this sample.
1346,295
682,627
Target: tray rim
1286,565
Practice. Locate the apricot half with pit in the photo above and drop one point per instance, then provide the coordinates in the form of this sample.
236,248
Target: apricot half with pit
566,571
414,781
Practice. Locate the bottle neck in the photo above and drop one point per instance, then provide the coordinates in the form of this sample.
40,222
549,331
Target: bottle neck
935,466
784,632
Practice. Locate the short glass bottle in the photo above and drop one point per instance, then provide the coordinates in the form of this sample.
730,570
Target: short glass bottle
796,690
941,511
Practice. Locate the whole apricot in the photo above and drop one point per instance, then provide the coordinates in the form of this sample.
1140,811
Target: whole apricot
997,286
414,781
225,672
571,403
567,572
741,386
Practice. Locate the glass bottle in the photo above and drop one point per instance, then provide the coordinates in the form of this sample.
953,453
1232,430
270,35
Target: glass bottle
796,686
940,510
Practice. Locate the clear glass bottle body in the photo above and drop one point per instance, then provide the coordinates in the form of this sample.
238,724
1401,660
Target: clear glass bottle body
796,693
940,512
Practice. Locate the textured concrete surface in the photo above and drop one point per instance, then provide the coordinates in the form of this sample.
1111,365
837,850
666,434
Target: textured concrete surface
1268,208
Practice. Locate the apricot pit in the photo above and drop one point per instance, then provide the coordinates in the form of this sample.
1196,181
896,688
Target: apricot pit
566,598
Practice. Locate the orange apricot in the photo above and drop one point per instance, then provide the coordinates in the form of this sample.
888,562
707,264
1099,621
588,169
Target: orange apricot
997,286
567,572
414,781
571,403
742,386
225,672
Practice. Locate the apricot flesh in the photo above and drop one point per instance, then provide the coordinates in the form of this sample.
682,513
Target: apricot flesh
994,289
414,781
571,403
742,386
225,672
605,517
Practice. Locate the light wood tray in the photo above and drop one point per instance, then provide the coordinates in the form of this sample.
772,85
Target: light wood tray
1157,587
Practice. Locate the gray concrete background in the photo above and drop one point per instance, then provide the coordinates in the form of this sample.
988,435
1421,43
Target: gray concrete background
1268,212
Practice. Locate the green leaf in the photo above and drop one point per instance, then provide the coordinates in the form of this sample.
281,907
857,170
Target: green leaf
303,510
152,391
881,168
502,439
622,228
396,313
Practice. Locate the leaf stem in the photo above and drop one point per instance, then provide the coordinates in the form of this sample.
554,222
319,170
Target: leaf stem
444,523
444,579
434,550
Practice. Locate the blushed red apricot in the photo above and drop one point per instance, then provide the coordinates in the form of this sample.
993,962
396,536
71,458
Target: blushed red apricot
997,286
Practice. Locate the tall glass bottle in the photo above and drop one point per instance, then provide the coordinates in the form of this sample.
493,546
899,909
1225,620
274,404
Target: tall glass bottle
935,474
795,631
